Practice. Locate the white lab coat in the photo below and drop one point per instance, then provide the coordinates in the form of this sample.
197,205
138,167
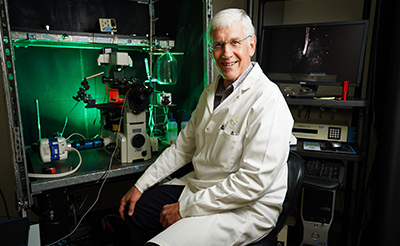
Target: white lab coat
239,153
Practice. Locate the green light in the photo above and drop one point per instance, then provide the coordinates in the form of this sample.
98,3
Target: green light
10,76
8,53
76,45
6,40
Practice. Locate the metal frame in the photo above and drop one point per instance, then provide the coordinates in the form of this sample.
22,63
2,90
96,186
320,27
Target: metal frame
22,185
208,63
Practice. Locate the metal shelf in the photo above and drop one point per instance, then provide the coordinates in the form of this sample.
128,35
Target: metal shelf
358,157
357,103
86,40
96,163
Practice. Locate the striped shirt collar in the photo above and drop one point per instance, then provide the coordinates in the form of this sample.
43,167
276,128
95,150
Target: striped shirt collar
221,93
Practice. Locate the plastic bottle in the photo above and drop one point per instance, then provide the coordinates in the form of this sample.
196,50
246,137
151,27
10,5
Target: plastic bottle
165,69
185,119
172,130
184,123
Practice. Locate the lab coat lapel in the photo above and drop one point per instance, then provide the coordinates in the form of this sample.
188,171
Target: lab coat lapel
251,78
211,94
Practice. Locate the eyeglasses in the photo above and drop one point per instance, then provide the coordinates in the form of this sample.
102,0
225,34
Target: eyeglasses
233,44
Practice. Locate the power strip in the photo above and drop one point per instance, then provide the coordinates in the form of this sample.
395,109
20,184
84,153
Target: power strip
108,25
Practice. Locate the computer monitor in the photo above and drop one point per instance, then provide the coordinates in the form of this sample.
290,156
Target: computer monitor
314,54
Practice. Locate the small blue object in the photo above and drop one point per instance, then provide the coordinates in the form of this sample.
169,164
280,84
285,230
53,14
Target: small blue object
55,151
88,144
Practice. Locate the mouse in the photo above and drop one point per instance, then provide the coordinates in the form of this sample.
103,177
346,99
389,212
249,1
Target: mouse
333,145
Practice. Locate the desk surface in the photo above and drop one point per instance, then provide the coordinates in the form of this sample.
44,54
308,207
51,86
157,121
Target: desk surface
95,163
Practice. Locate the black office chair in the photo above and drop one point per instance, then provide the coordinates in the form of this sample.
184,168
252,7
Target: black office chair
295,181
15,232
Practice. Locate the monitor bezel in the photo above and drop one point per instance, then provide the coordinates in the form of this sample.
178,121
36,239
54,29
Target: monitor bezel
361,59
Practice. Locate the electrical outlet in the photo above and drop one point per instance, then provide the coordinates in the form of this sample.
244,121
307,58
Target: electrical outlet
108,25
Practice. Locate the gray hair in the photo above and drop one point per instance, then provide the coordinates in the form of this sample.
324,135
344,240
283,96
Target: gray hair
226,18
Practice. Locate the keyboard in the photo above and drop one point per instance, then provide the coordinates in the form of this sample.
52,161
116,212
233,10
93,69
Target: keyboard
323,173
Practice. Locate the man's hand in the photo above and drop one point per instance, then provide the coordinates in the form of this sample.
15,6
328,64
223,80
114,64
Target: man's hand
131,197
170,214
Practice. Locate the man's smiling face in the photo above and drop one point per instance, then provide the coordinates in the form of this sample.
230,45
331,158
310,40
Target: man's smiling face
230,61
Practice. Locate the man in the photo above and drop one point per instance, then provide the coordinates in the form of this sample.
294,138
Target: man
238,141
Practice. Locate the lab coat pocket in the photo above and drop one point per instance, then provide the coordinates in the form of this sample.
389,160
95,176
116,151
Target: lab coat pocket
224,152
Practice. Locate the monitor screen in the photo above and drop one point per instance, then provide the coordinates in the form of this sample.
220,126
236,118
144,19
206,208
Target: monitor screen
314,54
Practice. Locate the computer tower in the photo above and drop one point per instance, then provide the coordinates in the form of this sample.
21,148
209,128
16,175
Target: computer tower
317,210
282,236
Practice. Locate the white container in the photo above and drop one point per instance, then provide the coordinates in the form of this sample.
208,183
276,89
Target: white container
184,123
172,130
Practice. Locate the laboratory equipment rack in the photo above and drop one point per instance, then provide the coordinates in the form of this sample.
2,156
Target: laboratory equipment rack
13,139
360,118
361,110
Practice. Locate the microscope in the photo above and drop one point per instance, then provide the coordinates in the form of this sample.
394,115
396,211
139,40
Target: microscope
123,117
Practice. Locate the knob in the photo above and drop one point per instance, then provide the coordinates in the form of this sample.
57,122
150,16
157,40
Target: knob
315,235
138,141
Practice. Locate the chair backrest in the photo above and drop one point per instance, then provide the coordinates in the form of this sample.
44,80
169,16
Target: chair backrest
295,183
14,232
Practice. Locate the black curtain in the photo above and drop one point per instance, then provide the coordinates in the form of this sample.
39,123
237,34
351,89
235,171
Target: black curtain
380,222
132,17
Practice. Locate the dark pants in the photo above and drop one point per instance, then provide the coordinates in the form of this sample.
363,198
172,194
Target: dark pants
146,216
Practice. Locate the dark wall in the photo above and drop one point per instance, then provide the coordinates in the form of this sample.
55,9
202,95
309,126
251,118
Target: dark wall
382,211
192,73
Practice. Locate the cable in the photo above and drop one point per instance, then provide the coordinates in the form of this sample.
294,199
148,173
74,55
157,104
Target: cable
73,134
94,203
102,184
66,118
59,175
83,202
74,212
